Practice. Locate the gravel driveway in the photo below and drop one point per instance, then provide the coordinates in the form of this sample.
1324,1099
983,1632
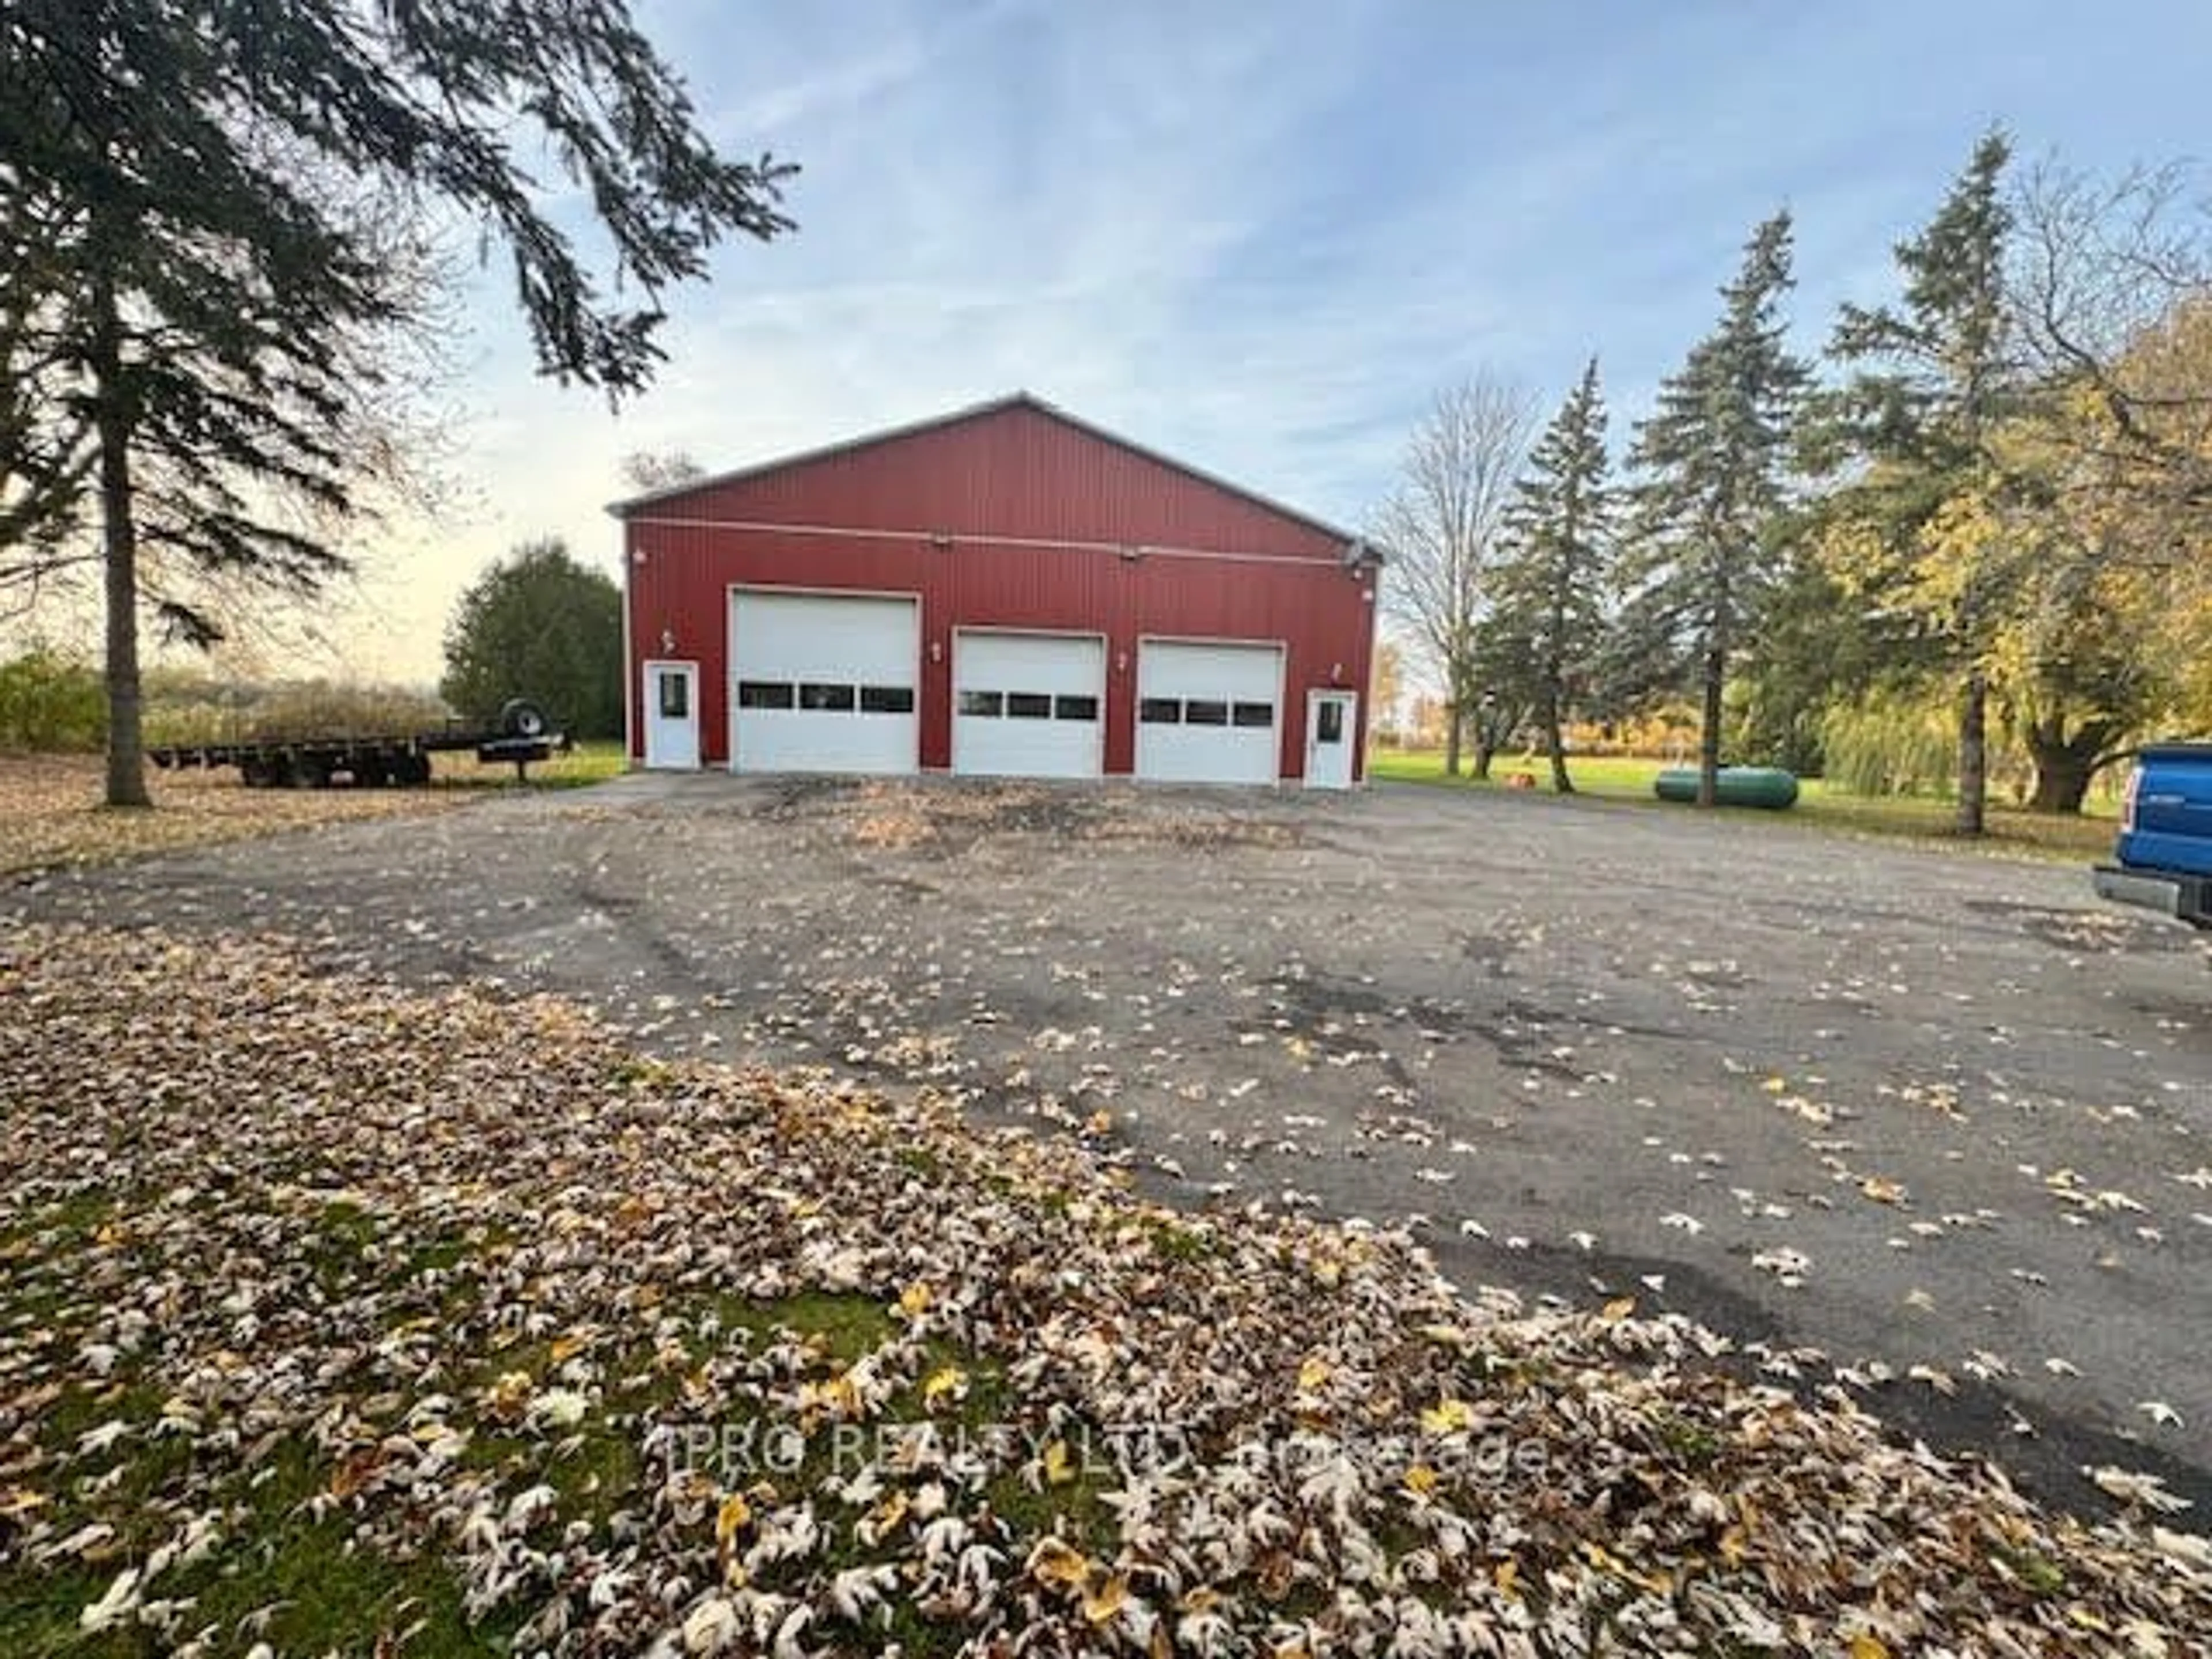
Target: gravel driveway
1940,1117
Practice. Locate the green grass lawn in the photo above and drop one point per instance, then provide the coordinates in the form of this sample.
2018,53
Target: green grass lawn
1820,805
594,762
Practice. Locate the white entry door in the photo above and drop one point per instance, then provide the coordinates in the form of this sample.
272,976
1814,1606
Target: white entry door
823,682
1028,705
1331,719
1209,712
670,706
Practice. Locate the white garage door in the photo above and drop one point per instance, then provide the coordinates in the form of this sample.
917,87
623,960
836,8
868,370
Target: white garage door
1209,713
1028,705
823,683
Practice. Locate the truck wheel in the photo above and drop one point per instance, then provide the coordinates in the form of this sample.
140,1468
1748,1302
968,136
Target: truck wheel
522,718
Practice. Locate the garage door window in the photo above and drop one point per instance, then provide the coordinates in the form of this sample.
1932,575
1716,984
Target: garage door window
1253,713
1160,711
982,705
1075,708
1028,706
819,698
1204,711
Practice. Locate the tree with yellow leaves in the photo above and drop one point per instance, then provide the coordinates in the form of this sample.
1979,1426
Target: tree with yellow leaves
2112,302
2110,613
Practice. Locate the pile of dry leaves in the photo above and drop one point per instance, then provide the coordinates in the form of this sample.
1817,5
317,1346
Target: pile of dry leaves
901,815
54,816
342,1319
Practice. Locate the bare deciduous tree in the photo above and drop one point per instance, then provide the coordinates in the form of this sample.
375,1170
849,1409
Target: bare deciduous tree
652,470
1386,689
1442,525
2107,276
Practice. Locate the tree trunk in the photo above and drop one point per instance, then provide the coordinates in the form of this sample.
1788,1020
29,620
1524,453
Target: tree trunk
1454,720
1709,732
1555,740
1973,753
2061,784
126,756
2064,766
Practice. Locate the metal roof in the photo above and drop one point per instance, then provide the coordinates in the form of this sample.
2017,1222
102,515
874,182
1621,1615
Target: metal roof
631,506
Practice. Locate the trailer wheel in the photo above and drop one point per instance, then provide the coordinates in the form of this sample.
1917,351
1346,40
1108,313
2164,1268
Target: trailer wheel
257,772
370,772
522,718
308,772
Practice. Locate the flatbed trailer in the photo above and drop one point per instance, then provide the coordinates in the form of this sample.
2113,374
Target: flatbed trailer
390,761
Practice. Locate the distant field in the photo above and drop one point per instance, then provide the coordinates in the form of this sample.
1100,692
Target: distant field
1818,806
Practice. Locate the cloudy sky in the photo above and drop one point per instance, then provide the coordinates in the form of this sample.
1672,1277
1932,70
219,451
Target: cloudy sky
1261,235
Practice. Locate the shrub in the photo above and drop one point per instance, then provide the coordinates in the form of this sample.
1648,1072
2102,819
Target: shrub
52,703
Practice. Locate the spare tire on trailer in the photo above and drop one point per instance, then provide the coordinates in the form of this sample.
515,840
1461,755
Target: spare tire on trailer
522,718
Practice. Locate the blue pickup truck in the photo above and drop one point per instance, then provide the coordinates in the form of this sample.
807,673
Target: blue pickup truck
2164,858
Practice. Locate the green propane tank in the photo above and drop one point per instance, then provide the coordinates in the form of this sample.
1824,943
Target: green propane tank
1769,787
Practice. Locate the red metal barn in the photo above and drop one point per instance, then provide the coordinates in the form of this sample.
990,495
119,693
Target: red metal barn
1004,591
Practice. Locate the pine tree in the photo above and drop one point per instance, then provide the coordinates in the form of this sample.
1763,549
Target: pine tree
1933,498
199,167
1714,463
1549,591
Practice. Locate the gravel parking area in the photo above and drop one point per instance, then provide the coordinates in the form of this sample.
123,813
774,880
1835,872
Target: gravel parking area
1937,1124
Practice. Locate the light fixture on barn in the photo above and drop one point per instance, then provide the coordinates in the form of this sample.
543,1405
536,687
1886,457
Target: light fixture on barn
667,641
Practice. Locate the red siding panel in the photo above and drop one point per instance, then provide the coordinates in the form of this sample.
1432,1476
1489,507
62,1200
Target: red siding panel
967,515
